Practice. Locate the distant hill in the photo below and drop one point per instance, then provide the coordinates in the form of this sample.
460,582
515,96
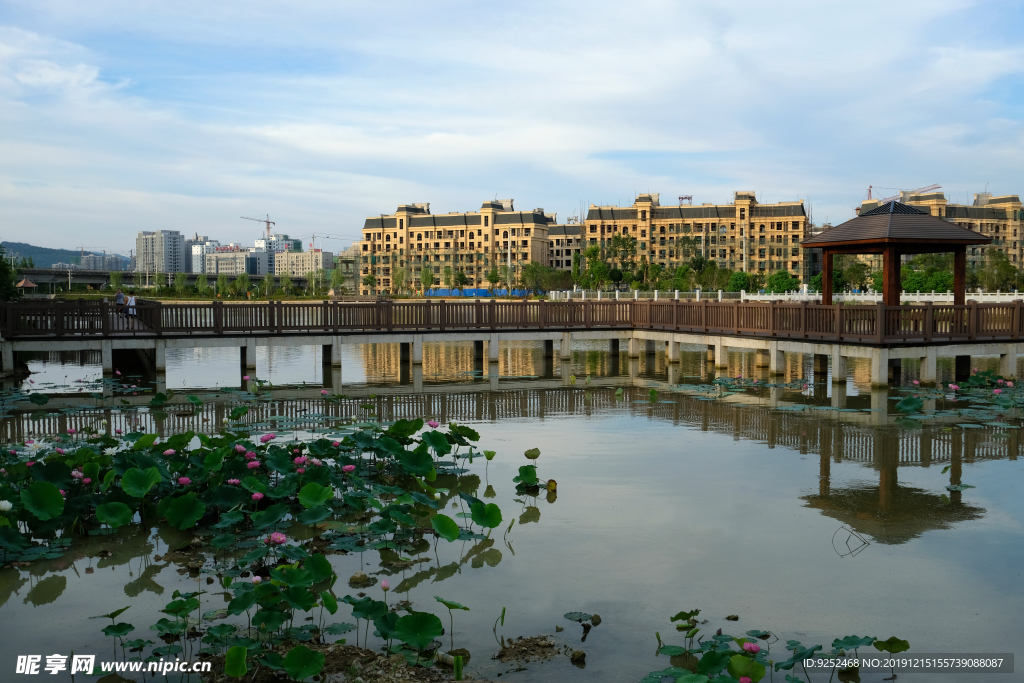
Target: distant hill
43,257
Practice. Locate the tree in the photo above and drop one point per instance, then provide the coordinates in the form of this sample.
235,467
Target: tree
8,279
506,278
181,283
698,263
398,279
447,277
998,274
284,281
268,285
494,278
461,280
116,279
426,278
370,281
577,263
337,280
782,281
201,285
739,282
222,284
241,285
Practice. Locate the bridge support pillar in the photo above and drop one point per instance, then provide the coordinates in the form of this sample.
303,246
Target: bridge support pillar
417,378
839,394
634,366
962,370
673,351
564,370
332,378
478,349
7,356
721,356
549,348
711,352
1008,362
838,366
613,344
161,356
107,357
820,367
650,347
673,373
634,347
417,349
929,370
248,355
879,367
566,350
492,349
776,359
331,353
761,359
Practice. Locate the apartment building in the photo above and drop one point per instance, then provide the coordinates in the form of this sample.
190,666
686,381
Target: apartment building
298,264
742,235
160,251
201,246
102,262
472,243
997,217
233,260
275,245
564,244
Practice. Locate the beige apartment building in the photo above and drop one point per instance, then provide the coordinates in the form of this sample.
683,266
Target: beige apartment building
472,243
996,217
564,244
297,264
742,235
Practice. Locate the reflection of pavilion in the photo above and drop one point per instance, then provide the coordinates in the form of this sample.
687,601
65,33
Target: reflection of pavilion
890,513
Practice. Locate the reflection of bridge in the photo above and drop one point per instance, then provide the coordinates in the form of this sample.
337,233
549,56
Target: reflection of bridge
884,334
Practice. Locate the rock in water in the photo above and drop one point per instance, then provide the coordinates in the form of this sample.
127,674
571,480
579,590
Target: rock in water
596,620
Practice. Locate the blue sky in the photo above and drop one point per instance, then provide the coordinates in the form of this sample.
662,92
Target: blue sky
118,116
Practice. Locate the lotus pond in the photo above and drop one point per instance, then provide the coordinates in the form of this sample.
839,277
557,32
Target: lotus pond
630,523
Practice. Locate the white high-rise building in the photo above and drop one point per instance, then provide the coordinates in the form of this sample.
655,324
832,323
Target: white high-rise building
161,251
199,251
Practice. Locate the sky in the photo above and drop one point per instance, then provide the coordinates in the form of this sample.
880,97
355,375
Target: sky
125,115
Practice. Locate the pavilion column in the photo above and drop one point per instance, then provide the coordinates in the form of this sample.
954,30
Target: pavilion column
826,278
959,276
891,281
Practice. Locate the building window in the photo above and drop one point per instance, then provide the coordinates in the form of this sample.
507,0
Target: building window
643,215
401,222
487,221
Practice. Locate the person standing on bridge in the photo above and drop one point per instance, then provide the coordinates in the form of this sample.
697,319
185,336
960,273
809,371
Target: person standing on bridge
119,303
131,308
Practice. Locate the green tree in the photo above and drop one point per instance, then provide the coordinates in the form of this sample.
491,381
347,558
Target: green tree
506,278
738,281
116,280
447,277
201,284
222,284
370,281
284,281
337,279
8,279
426,278
998,273
181,283
577,267
493,278
461,280
268,285
242,284
782,281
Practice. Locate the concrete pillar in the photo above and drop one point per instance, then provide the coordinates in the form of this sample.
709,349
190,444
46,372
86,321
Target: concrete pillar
879,406
7,356
417,378
721,355
492,348
336,351
634,366
634,347
838,393
761,358
774,396
478,348
106,357
161,382
776,359
673,351
674,370
161,356
564,370
879,367
1008,362
963,368
711,352
332,378
650,348
247,355
566,350
820,367
492,376
613,346
929,369
549,348
417,349
838,365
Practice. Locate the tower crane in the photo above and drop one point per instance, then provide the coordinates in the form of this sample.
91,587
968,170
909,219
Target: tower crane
920,189
266,220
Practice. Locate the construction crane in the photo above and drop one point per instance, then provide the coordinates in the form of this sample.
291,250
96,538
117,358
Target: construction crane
685,199
897,196
266,220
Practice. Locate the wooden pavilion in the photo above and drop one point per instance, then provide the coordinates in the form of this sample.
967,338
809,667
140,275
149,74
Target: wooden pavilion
892,230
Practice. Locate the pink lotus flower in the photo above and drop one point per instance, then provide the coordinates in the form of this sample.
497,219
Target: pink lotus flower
301,460
13,452
385,586
29,441
276,538
752,648
239,448
745,679
234,482
253,464
300,470
257,579
999,381
184,481
169,451
335,443
997,391
916,382
117,372
117,431
348,469
71,431
257,496
76,475
87,480
323,391
58,450
295,450
250,456
245,377
954,387
316,461
63,493
267,437
30,463
433,424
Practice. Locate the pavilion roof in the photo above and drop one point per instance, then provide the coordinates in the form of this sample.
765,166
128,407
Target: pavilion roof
895,224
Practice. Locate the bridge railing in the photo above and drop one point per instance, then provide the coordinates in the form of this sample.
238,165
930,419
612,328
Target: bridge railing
875,324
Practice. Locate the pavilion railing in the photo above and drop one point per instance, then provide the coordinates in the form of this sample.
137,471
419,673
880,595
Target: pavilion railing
874,324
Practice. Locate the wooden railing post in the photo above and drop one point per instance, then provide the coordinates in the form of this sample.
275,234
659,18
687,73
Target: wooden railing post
675,315
838,320
540,314
440,313
772,311
218,317
58,317
736,316
325,313
105,318
803,320
390,312
880,322
1015,330
929,321
972,319
588,313
477,322
704,314
158,318
492,313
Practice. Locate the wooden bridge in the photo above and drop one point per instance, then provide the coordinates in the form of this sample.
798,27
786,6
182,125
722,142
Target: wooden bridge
884,333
